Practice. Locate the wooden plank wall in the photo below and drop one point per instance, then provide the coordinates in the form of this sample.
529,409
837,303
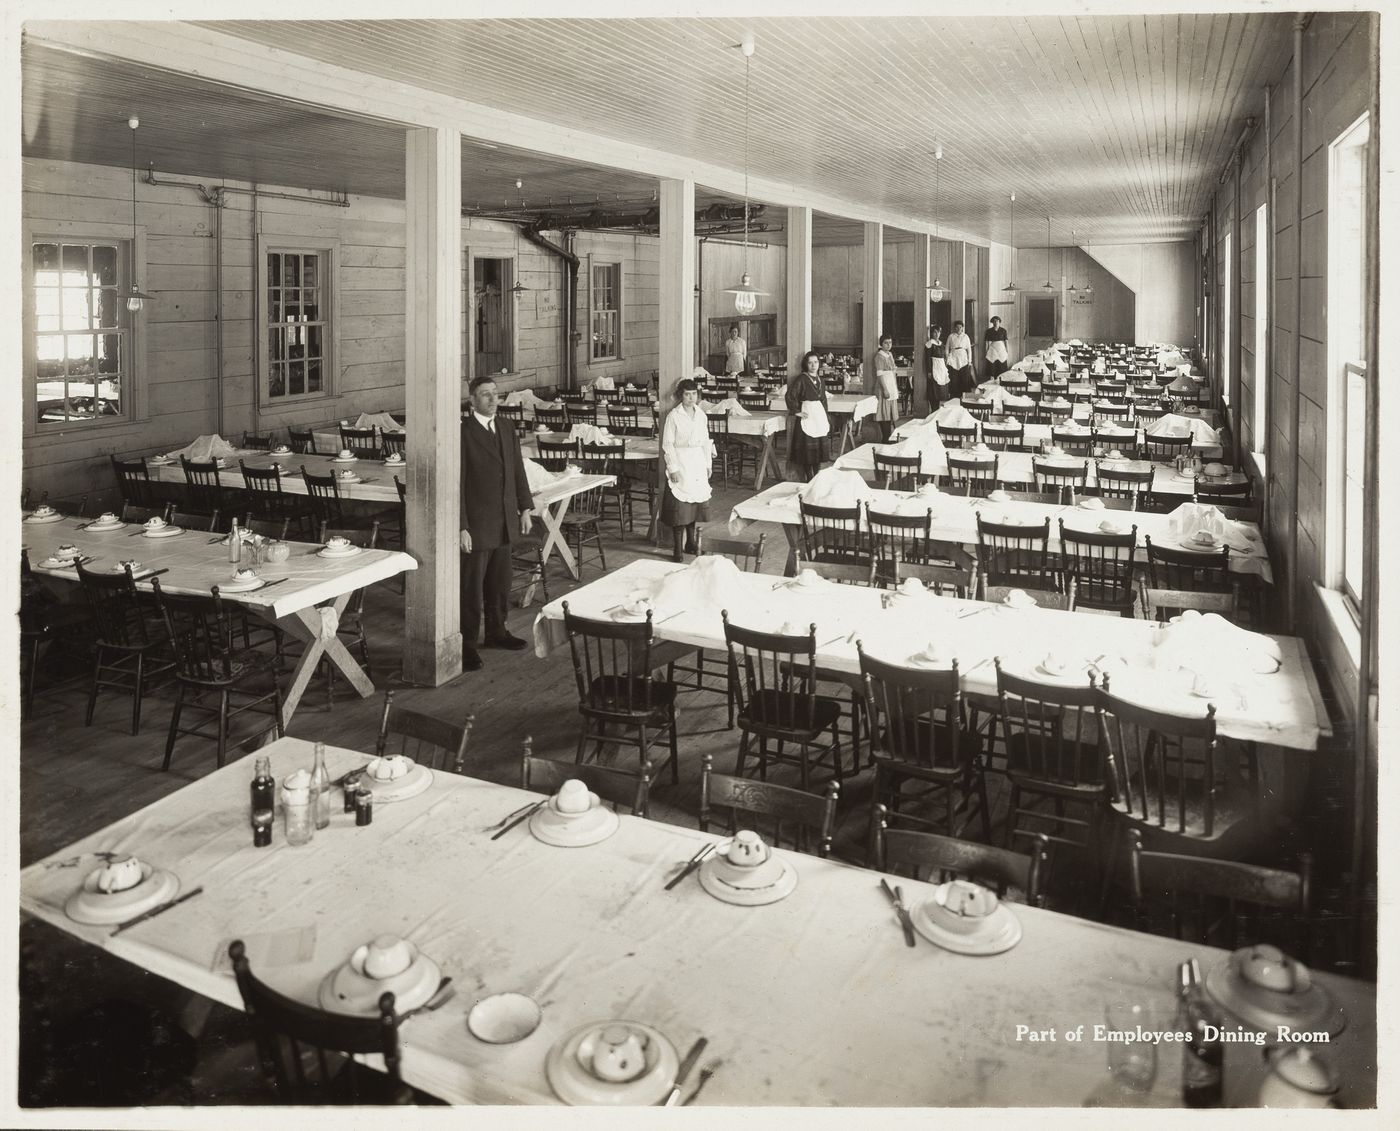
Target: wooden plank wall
721,265
1109,317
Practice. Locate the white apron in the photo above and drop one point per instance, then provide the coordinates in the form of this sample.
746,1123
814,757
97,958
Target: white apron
690,451
996,351
939,370
814,420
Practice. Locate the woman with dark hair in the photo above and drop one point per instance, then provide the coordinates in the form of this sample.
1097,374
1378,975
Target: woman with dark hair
689,452
736,350
886,388
937,367
995,342
808,422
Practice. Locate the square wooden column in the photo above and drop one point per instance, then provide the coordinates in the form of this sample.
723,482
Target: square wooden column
432,363
870,327
675,305
957,287
799,284
918,374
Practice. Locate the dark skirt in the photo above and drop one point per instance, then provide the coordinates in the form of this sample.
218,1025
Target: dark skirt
675,513
805,450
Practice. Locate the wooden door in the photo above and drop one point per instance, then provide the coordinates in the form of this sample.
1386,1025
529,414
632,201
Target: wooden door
1042,322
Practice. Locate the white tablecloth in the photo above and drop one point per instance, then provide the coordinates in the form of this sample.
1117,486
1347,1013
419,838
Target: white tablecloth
815,1000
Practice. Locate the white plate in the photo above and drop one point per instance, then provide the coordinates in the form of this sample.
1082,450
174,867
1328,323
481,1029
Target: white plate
100,526
348,552
163,532
1191,545
1004,932
576,1085
401,788
568,831
234,586
503,1019
159,459
45,519
339,459
88,905
725,892
347,992
1070,674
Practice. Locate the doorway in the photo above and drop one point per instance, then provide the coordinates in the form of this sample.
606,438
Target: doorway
491,316
1042,320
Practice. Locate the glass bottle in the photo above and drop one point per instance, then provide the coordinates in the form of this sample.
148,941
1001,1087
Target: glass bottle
262,788
321,787
1203,1054
235,543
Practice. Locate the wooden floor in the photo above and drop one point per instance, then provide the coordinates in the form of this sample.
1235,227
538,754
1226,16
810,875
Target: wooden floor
76,779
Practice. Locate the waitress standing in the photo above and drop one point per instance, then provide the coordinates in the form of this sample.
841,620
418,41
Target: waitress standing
937,367
689,453
735,351
886,388
806,405
995,342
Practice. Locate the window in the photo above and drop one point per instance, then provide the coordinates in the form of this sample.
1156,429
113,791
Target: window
296,288
1347,361
1262,361
606,280
80,337
1227,315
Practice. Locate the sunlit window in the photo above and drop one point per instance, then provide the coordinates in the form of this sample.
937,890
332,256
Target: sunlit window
1262,283
1227,317
296,324
80,331
607,311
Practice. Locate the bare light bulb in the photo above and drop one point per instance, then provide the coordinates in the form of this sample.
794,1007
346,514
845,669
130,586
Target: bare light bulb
746,43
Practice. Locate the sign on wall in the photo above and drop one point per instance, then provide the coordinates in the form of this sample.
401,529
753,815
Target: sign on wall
1082,298
546,305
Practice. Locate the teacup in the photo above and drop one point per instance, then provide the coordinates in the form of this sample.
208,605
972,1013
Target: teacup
131,564
962,906
245,574
338,543
619,1054
119,874
66,551
345,473
1205,538
386,956
106,518
43,510
281,450
747,849
574,797
1115,453
345,453
155,523
1108,526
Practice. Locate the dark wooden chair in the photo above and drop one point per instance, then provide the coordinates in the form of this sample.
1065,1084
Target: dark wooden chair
972,476
304,1052
843,573
580,412
130,656
428,740
362,442
193,520
130,512
899,473
1067,479
956,435
1164,449
617,689
717,423
833,534
134,482
323,494
1004,437
1099,569
203,491
266,500
921,739
781,815
391,443
775,680
302,443
900,537
1074,443
622,420
1239,494
552,417
555,455
1184,572
610,459
1222,903
938,859
1015,554
515,413
207,665
45,625
544,775
1124,483
1044,598
580,526
254,442
958,577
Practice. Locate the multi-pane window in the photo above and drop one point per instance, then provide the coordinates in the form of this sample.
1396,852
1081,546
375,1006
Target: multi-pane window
80,331
1227,319
607,311
1262,284
297,330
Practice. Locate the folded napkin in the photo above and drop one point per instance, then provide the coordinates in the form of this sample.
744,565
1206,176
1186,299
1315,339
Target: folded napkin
1016,401
380,420
524,397
1190,519
1056,403
710,582
1170,425
536,476
205,449
1209,645
733,407
591,434
832,487
953,415
605,383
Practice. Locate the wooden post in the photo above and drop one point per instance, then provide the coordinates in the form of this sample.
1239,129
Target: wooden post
873,281
676,304
432,360
918,372
957,285
799,284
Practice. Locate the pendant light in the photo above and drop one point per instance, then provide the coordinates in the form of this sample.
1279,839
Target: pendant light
1072,288
1049,287
1089,286
519,288
1011,287
135,298
935,292
744,292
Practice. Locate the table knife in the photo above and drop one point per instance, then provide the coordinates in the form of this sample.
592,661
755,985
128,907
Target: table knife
684,1071
902,912
161,910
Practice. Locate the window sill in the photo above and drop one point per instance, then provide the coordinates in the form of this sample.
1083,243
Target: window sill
1340,641
283,409
43,437
1261,467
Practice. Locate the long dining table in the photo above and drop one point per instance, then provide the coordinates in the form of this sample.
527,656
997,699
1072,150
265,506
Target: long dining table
811,1001
305,595
954,519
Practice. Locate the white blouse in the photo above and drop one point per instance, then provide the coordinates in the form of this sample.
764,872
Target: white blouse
687,448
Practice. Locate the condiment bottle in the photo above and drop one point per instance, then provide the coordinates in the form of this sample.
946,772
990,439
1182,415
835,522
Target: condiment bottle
1203,1054
262,809
321,787
235,543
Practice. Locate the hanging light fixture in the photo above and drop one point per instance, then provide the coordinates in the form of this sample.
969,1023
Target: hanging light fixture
135,298
744,292
1089,286
1011,287
1049,287
519,288
1072,288
935,292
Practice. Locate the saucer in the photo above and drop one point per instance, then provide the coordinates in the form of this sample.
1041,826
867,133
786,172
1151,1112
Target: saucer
344,459
46,518
160,459
59,563
921,661
88,905
327,552
139,572
346,991
411,784
115,524
247,585
576,1085
573,830
1003,931
166,531
717,877
348,479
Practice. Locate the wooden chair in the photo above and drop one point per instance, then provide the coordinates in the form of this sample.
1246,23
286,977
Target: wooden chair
1015,554
1044,598
256,442
274,528
617,689
1099,569
1145,412
1222,903
206,664
755,401
942,858
782,816
552,417
1111,413
1074,443
833,534
1004,438
266,499
622,420
556,455
44,623
1065,478
193,520
303,443
527,564
544,775
842,573
717,423
304,1051
1045,498
1124,483
323,493
904,537
899,473
515,413
1164,449
132,513
972,476
775,679
351,627
428,740
920,738
958,577
393,442
134,482
580,526
1231,494
579,412
748,556
610,459
955,435
130,657
362,442
1195,579
203,491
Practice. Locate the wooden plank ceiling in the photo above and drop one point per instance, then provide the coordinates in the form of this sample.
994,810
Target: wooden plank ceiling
1115,126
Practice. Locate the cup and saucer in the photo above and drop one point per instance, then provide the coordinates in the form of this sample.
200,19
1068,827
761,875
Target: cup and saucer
157,527
43,513
338,547
137,569
1058,668
244,580
573,818
747,872
1111,526
120,889
386,964
1203,541
65,557
967,918
106,521
281,450
395,777
345,455
612,1062
634,609
394,459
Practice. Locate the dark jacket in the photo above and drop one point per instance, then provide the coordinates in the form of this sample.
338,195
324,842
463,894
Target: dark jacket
494,488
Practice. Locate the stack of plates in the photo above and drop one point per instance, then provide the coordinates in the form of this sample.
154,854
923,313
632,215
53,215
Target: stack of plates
93,906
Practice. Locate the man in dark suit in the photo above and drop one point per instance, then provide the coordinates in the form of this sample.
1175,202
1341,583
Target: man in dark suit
496,504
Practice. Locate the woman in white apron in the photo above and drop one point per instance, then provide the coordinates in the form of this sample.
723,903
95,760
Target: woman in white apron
937,367
689,453
735,351
997,357
808,420
886,388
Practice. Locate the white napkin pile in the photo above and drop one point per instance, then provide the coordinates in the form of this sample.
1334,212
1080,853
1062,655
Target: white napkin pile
1016,401
832,487
525,397
536,476
732,406
591,434
607,384
953,415
205,448
381,420
1208,644
1190,519
1172,424
711,582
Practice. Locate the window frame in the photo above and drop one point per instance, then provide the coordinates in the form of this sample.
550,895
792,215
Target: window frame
1227,314
1263,287
329,247
615,265
131,263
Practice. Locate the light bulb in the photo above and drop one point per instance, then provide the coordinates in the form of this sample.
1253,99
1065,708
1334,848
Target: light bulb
133,303
745,302
746,43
